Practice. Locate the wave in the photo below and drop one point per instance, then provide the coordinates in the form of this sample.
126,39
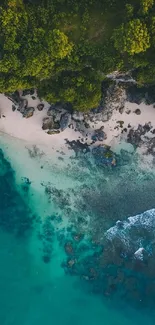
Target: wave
134,236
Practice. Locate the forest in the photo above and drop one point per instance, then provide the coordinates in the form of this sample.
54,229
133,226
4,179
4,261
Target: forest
65,48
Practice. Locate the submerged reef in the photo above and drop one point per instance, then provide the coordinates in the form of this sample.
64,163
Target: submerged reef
122,265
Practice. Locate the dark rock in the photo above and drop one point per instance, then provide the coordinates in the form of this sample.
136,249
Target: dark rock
120,123
33,97
135,94
147,127
56,125
87,126
78,146
69,248
53,131
134,136
137,111
46,259
23,105
104,156
99,135
51,111
40,107
48,123
15,97
65,121
71,262
28,112
128,112
13,108
121,109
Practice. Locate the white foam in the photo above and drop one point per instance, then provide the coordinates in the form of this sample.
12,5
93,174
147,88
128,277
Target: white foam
139,253
123,229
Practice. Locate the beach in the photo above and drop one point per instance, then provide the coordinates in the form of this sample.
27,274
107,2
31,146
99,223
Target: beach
63,205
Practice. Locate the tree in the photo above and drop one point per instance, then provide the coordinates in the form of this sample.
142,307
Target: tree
145,5
132,37
81,89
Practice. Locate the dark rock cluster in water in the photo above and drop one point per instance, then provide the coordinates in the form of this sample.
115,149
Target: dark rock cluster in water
122,266
78,146
104,156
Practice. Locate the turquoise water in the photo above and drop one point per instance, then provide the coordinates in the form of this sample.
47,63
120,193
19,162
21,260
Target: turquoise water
54,269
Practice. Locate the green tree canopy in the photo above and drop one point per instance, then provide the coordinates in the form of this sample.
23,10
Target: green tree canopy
132,37
145,5
62,47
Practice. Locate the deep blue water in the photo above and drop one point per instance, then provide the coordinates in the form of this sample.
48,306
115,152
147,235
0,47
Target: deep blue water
49,275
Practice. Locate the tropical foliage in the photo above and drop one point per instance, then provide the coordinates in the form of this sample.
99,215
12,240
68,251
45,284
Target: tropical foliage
65,48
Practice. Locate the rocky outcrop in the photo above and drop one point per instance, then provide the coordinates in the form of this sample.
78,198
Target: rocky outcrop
48,123
40,106
135,136
65,120
14,97
51,111
53,131
104,156
114,98
51,125
13,108
28,112
23,105
99,135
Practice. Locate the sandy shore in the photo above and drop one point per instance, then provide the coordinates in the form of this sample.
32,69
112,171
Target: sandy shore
30,130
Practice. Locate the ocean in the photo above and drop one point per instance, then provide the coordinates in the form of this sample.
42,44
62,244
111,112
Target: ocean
65,259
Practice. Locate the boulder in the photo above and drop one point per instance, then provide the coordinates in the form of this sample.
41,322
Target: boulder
53,131
48,123
14,97
137,111
40,106
23,105
69,248
99,135
51,111
104,156
65,121
56,125
28,112
13,108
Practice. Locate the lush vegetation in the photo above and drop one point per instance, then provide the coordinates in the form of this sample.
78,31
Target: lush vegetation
65,48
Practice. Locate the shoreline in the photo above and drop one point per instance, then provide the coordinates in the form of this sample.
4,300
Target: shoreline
86,129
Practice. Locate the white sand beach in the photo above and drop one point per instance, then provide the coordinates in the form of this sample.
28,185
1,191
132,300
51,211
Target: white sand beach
30,130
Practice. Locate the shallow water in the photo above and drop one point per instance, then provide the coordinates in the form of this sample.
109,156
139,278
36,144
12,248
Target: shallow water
53,222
